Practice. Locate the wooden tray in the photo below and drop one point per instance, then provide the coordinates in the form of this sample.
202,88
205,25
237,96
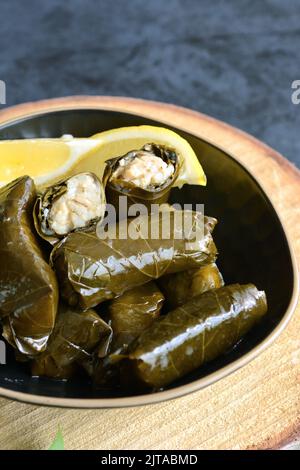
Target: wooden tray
258,407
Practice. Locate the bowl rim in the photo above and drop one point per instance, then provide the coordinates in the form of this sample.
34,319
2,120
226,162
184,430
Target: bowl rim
198,384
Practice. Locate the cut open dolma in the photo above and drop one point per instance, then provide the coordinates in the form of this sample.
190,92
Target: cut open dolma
144,176
197,332
180,287
92,270
76,335
28,287
77,202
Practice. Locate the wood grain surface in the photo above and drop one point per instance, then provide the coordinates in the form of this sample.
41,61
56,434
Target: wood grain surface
257,407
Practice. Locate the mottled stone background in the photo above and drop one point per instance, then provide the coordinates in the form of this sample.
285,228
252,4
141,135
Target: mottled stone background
234,60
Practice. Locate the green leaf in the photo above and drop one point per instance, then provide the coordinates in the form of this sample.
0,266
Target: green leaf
58,443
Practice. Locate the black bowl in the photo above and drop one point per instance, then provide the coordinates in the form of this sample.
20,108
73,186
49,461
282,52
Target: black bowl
251,240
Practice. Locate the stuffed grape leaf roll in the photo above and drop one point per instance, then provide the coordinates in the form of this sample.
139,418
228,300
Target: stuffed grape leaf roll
76,335
133,312
28,287
197,332
144,176
128,315
75,203
180,287
91,269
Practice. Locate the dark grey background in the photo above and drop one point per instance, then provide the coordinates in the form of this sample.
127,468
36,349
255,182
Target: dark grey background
234,60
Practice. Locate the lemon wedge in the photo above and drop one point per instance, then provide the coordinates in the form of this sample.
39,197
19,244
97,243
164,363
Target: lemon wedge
45,160
49,160
117,142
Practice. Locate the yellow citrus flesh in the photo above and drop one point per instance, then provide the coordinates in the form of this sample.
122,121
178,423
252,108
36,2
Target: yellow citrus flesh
45,160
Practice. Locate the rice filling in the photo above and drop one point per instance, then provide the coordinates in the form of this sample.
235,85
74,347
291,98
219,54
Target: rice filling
78,206
144,169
